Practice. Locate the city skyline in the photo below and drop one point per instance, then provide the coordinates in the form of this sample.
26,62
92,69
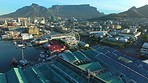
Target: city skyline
104,6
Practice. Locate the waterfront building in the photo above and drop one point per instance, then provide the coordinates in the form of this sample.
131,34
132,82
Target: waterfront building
26,36
98,34
33,30
131,35
100,64
116,26
144,49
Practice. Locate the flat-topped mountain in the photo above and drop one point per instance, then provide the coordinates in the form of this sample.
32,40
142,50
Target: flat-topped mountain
77,11
68,11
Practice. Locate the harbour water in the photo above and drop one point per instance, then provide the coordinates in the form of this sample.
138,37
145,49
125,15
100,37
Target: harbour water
8,51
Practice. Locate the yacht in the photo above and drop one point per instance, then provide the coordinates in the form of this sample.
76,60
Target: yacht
40,41
19,44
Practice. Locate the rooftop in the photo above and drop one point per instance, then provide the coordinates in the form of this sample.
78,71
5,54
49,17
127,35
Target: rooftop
145,45
3,78
106,65
94,66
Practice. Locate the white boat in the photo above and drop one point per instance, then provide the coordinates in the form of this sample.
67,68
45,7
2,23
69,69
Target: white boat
24,62
43,55
40,41
20,44
29,44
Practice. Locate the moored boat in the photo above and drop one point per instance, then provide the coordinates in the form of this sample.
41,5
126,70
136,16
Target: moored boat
19,44
40,41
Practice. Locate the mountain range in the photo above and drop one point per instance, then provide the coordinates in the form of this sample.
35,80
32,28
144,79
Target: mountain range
133,12
68,11
77,11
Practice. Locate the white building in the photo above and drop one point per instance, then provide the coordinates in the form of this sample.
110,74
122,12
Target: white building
125,31
133,36
145,61
144,49
98,34
26,36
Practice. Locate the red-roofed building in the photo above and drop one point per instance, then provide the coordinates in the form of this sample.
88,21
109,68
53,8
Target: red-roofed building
56,46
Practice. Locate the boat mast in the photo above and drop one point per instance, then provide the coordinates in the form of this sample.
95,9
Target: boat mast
22,53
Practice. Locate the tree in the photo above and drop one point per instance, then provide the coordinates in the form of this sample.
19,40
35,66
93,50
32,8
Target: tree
145,38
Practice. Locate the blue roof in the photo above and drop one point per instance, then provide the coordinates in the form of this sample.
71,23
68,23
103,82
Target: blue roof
80,55
105,75
94,66
70,72
32,75
113,64
70,56
131,62
51,75
90,53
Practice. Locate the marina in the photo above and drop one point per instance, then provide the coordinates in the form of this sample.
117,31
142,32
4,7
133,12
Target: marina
74,44
23,52
8,51
70,58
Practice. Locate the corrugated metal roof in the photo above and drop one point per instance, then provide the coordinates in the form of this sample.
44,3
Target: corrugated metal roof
70,72
16,75
105,75
90,53
3,78
32,76
91,66
110,59
110,78
51,75
70,56
114,79
80,55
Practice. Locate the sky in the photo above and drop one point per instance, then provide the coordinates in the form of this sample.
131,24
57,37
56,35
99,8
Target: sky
106,6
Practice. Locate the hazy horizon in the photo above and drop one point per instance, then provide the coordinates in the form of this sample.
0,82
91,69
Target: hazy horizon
105,6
